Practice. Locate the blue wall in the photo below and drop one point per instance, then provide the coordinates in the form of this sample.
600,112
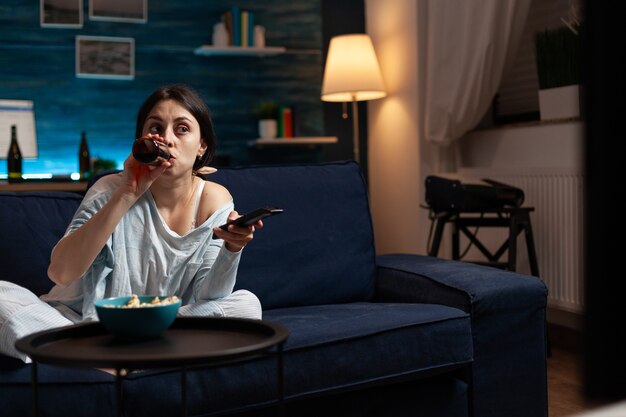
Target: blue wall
39,64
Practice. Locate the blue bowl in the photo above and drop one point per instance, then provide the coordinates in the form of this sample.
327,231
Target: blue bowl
135,323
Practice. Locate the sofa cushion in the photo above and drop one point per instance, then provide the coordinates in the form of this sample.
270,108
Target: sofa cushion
331,348
321,249
365,342
62,391
35,222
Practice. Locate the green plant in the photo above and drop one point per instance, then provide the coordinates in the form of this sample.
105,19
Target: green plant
266,110
102,164
558,57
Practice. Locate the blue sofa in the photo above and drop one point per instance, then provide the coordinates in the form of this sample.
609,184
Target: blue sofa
391,335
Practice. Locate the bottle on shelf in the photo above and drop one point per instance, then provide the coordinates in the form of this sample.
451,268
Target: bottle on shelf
14,158
148,151
84,160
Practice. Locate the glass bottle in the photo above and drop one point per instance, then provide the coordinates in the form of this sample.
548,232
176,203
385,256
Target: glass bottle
14,158
148,151
84,161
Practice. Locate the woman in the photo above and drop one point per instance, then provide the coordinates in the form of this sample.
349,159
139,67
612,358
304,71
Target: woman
151,229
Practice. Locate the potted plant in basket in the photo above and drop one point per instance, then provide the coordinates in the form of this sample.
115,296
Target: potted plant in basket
558,69
267,113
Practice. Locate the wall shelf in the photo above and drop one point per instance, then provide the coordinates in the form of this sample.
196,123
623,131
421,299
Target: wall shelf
208,50
305,140
70,186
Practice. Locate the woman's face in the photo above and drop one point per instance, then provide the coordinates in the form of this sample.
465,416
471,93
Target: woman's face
179,130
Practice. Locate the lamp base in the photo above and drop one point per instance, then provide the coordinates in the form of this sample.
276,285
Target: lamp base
355,130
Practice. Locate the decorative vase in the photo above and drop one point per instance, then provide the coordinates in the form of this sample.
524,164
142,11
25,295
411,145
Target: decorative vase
259,36
559,102
220,35
267,128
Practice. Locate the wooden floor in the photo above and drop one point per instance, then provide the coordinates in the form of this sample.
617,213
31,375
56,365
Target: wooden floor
565,397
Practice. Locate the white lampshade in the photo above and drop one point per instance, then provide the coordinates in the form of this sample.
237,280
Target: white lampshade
352,71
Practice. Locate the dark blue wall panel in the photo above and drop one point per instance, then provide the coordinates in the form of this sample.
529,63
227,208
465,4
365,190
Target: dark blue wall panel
39,64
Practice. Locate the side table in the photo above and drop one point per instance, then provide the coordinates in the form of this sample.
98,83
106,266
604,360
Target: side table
189,342
514,219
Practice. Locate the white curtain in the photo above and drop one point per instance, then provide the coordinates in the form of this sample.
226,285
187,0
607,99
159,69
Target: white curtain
469,44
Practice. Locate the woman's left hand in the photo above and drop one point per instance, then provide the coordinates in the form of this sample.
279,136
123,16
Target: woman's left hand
237,237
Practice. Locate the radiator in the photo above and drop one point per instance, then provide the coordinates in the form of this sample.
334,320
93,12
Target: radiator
558,227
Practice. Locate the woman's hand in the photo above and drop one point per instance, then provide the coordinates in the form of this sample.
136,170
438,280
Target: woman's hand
137,176
237,237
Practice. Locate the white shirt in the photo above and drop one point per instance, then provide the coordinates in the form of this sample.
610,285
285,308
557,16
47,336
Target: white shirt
144,256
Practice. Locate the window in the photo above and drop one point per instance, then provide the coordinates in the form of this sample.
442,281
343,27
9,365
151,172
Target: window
517,98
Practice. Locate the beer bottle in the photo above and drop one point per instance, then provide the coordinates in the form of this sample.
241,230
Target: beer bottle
84,161
14,158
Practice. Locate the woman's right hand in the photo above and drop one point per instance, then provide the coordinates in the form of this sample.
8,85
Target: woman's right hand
139,177
75,252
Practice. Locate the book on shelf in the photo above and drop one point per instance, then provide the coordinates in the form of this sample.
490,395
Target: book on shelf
285,126
295,120
244,28
227,19
288,122
280,127
240,26
236,26
251,29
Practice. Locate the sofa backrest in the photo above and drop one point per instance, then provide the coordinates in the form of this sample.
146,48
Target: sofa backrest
30,225
320,250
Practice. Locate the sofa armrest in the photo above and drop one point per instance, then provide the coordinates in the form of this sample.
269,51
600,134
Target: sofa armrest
469,287
507,312
398,279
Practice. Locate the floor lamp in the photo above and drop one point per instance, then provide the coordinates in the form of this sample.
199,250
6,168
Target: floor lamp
352,74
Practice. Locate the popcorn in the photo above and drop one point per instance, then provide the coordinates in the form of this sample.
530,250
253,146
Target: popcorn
155,302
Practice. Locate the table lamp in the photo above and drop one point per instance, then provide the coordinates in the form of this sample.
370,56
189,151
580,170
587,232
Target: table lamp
352,74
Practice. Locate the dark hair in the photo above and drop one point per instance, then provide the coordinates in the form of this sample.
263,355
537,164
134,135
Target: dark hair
190,100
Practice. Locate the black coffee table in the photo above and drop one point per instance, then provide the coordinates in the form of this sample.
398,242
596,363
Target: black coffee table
189,342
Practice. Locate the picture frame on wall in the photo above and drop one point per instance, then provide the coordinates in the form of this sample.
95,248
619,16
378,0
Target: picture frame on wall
132,11
105,57
61,13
